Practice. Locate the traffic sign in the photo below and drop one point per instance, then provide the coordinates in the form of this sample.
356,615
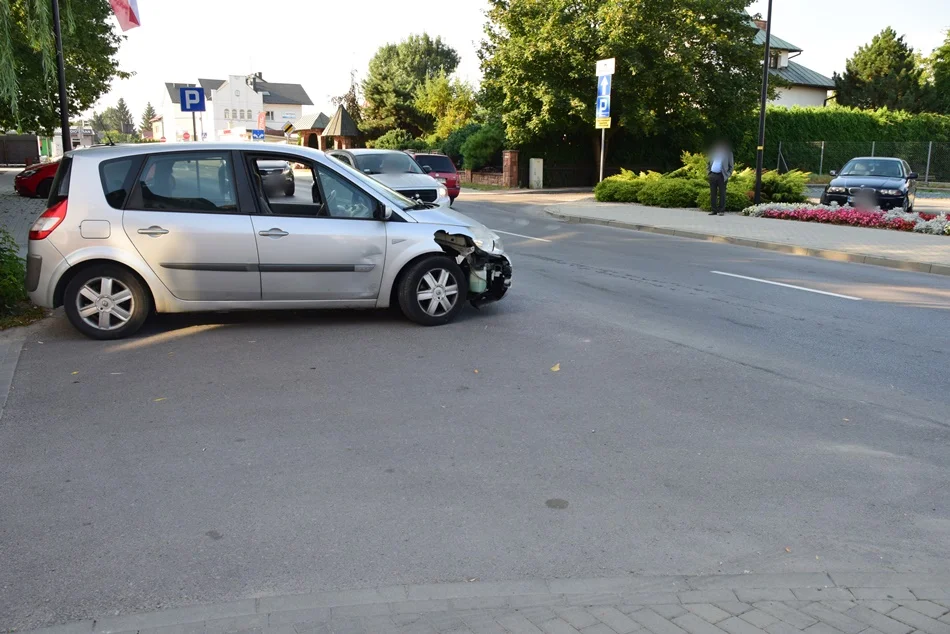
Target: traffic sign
185,136
192,99
257,135
606,66
602,123
603,106
603,85
162,140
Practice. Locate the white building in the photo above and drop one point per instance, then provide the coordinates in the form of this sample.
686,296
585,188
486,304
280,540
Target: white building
805,86
232,107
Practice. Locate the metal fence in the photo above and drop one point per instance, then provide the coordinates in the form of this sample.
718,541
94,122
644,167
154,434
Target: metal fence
930,159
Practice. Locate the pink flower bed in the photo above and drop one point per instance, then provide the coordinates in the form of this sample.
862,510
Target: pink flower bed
842,216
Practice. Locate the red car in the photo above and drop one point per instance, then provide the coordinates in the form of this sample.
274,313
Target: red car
36,180
441,168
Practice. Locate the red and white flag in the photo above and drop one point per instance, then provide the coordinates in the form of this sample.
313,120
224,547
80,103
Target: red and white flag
127,12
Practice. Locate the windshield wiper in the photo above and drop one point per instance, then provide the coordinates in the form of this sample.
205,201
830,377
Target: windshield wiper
421,205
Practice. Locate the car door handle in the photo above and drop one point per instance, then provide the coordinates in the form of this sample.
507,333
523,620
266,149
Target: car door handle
273,232
153,231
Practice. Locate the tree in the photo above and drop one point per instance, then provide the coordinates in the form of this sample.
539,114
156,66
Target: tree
882,74
147,115
98,122
451,103
452,146
119,118
28,85
940,76
395,73
684,67
350,100
398,139
484,146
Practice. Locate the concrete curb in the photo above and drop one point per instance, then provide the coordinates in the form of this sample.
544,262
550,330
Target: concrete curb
268,613
9,357
790,249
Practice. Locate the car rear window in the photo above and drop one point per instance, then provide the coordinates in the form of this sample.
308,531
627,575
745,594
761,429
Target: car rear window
116,180
437,162
59,190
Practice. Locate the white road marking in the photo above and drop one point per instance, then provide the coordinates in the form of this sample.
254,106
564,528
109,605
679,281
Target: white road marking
508,233
797,288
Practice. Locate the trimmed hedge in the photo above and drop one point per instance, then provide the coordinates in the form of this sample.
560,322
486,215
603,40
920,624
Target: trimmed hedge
737,198
671,192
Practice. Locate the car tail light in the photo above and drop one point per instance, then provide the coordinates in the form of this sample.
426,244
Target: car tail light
50,219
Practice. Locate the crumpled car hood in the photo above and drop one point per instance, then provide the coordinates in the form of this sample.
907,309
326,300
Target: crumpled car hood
444,216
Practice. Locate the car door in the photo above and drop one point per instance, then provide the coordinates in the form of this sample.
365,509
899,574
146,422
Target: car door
186,221
323,243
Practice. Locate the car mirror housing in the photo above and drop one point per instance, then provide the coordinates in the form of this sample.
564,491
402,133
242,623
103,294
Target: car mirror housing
382,212
426,169
833,172
912,176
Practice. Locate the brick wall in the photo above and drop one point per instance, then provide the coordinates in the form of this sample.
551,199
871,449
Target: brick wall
482,178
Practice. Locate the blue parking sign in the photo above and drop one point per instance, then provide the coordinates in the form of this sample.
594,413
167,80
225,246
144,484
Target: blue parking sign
603,106
192,99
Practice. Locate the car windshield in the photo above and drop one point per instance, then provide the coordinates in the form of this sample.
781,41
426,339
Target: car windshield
373,184
387,163
436,162
872,167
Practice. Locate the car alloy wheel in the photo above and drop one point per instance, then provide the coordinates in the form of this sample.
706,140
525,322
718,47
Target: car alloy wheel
105,303
437,292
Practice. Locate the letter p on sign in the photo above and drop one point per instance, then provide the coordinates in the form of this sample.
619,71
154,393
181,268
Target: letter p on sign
192,99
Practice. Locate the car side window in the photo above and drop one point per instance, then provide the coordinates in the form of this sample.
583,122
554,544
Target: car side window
115,176
343,158
192,181
344,199
286,186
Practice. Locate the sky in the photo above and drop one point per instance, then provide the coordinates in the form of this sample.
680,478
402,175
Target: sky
318,42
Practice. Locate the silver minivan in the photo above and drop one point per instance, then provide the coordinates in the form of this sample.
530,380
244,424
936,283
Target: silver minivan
193,227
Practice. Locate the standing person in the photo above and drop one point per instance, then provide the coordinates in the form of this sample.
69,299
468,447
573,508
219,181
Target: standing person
719,165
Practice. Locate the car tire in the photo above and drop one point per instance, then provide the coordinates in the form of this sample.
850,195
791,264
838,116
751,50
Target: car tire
289,190
427,294
117,314
43,189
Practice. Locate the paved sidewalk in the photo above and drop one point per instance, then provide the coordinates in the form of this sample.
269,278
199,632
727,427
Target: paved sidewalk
17,214
895,249
814,603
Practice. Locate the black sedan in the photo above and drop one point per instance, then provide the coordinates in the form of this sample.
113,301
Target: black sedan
887,183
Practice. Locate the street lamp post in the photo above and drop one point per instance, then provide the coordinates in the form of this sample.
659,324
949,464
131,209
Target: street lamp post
760,146
61,72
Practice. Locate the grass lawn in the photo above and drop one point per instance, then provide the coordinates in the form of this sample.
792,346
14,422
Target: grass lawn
482,188
23,314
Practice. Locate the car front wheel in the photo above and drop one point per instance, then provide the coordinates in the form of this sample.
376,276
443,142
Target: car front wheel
106,302
433,291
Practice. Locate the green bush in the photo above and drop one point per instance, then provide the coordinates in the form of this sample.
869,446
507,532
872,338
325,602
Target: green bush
483,147
784,188
452,146
618,190
670,192
737,197
399,139
12,274
694,167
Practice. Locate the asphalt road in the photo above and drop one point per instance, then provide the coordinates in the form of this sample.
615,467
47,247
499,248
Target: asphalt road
696,423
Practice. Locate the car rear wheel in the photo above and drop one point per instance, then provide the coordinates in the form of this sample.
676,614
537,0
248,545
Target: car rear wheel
42,190
106,302
433,291
289,189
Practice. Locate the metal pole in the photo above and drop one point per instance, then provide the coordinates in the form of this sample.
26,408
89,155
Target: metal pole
873,146
821,161
194,128
61,72
760,148
603,135
930,148
778,158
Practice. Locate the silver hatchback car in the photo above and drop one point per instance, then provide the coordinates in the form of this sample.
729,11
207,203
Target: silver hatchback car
193,227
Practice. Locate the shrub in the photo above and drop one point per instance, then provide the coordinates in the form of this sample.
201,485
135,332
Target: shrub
784,188
617,190
694,167
399,139
670,192
12,274
737,197
452,146
483,147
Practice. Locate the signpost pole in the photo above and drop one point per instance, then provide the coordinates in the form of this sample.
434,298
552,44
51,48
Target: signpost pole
763,100
194,128
604,71
603,135
61,76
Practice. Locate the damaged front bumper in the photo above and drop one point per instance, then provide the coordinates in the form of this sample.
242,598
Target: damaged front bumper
489,277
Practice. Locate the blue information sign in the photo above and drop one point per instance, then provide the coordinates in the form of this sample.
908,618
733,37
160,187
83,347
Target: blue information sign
257,135
192,99
603,85
603,106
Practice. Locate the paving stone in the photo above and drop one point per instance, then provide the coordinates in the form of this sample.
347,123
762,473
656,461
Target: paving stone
347,626
882,593
778,580
693,624
592,599
600,628
530,600
577,617
419,627
927,608
353,611
313,628
615,619
444,621
822,594
184,628
669,610
781,627
919,621
932,593
758,618
734,608
405,619
752,595
839,606
517,624
821,628
483,623
558,626
877,620
708,611
309,615
479,603
650,598
839,621
286,628
379,625
236,624
420,607
537,614
795,618
735,625
654,622
708,596
880,606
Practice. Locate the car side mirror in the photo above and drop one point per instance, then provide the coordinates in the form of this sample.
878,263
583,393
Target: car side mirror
382,212
833,172
426,169
912,176
367,171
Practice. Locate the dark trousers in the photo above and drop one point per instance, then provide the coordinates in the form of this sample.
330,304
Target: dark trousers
717,186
